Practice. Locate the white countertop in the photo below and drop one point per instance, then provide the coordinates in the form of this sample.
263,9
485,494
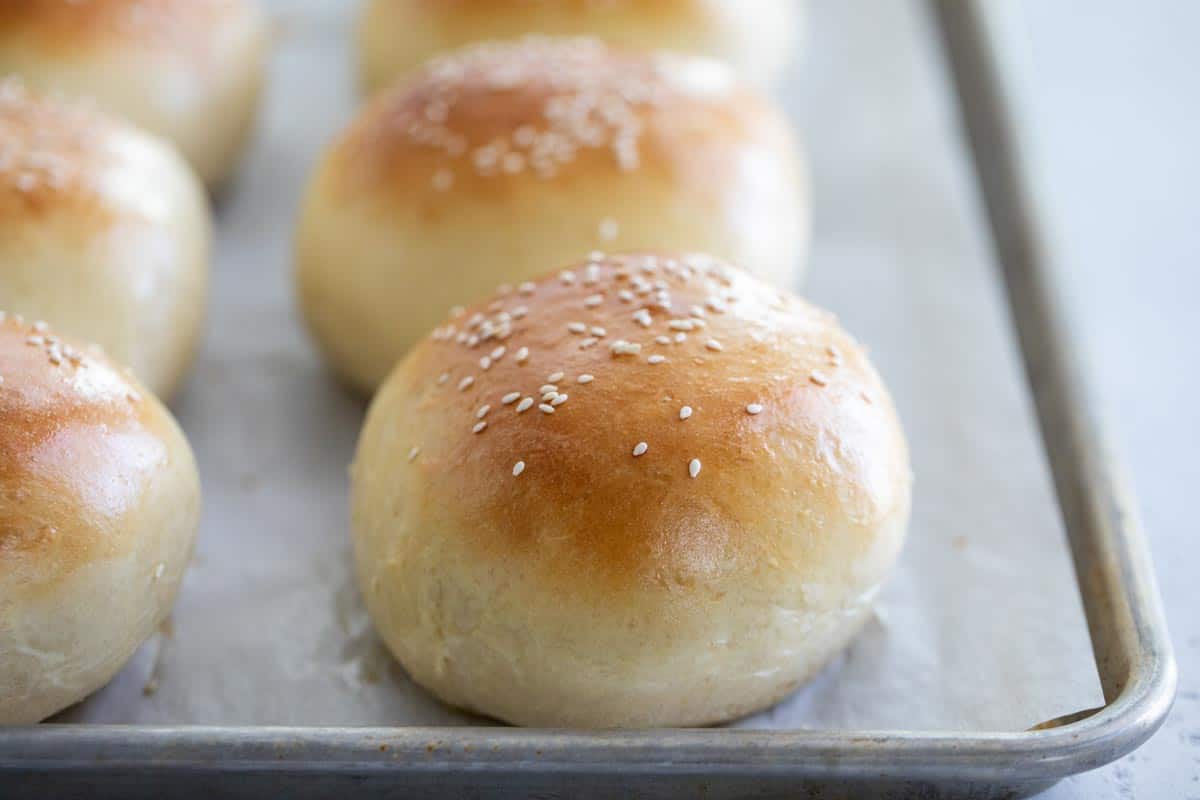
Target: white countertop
1117,96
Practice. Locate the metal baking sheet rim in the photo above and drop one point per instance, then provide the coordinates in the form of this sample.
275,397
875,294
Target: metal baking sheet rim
1133,650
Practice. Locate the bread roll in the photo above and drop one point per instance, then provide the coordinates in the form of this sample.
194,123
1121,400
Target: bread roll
504,161
647,492
99,502
756,37
104,231
187,70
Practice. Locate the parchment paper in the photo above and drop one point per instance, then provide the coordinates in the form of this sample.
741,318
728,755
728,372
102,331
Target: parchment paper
981,627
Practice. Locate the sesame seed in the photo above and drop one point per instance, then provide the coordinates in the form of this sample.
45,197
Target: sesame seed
412,454
445,376
566,276
625,296
754,408
623,348
546,408
485,363
696,311
609,229
642,317
594,300
588,342
685,412
585,378
656,359
482,412
818,377
548,396
680,338
522,355
549,387
479,427
498,353
713,344
35,341
525,136
465,383
554,377
519,312
518,468
576,327
41,326
524,405
527,288
694,467
510,398
663,339
640,448
443,179
598,331
681,324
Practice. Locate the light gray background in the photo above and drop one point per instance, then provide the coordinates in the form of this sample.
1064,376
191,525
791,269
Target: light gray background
1117,98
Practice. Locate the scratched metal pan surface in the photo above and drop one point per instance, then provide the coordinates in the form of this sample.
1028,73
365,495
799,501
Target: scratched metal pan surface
915,135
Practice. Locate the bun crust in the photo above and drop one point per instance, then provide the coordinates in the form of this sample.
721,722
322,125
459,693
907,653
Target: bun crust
188,70
503,161
99,502
104,231
695,582
756,37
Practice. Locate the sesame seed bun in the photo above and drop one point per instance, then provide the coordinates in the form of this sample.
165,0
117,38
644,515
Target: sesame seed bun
99,501
673,516
104,232
506,160
757,37
187,70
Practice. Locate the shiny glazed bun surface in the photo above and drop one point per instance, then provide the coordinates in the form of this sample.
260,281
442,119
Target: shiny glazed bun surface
99,503
104,232
649,491
756,37
503,161
187,70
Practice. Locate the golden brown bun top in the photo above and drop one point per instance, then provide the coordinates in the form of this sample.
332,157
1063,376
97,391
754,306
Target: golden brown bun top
56,154
543,108
79,439
791,430
48,149
163,26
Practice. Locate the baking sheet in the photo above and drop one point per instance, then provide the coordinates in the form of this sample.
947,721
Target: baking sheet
980,629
